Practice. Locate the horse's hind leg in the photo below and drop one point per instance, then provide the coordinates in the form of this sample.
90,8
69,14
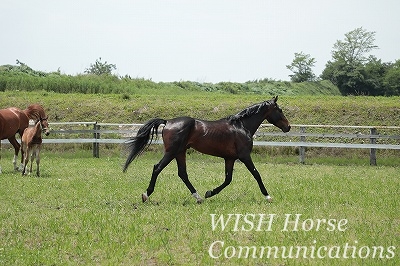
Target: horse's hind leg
156,171
228,178
33,155
0,156
182,173
25,161
250,166
17,147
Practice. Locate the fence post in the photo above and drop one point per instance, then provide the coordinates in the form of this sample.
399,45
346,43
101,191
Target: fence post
302,149
96,135
372,152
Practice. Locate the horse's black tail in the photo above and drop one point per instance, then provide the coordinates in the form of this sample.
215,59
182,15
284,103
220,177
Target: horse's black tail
137,144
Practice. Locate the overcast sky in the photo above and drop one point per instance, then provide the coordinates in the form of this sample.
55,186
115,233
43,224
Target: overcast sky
202,40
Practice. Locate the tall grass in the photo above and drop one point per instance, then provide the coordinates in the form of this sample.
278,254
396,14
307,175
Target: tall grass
85,211
109,84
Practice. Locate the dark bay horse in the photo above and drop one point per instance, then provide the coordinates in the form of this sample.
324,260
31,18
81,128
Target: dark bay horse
230,138
14,120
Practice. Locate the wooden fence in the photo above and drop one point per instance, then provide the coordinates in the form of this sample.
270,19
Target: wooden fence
300,136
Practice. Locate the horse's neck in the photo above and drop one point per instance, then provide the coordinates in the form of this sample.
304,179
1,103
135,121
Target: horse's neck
38,130
252,123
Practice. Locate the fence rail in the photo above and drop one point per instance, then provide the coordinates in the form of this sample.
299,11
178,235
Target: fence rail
301,136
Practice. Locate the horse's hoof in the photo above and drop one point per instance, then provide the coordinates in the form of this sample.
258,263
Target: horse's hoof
269,199
197,197
208,194
144,197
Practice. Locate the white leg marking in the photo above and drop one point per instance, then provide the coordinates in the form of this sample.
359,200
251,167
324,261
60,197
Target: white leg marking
197,197
145,197
269,199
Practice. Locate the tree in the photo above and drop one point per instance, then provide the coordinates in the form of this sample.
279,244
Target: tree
374,72
355,46
301,68
344,76
392,79
100,68
352,70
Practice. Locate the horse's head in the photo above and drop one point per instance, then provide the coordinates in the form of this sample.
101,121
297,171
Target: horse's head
276,117
45,126
36,111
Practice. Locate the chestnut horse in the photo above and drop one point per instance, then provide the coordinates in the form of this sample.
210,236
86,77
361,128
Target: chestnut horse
31,143
14,120
230,138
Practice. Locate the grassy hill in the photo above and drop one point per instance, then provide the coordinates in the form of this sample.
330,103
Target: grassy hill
122,108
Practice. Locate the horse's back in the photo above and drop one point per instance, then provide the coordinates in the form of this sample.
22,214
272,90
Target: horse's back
12,121
177,130
218,138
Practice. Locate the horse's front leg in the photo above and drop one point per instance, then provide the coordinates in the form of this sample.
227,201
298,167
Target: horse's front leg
25,162
228,178
250,166
33,155
37,151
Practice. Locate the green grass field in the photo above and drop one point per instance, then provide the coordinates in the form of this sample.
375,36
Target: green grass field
85,211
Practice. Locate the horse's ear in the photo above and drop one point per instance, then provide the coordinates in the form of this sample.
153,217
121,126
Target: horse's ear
275,98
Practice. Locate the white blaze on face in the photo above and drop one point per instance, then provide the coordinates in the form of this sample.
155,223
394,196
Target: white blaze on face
31,122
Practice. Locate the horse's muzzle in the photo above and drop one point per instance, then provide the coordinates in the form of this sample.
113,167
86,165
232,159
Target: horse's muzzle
46,131
286,128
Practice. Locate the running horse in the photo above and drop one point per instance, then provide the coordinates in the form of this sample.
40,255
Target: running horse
14,120
230,138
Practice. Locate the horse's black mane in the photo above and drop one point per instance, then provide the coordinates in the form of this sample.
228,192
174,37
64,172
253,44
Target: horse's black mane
249,111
